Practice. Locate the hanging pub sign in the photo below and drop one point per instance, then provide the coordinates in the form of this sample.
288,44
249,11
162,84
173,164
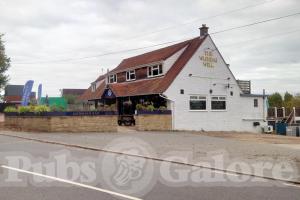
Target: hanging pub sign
208,58
108,94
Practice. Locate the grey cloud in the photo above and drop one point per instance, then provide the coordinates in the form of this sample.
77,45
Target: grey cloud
57,29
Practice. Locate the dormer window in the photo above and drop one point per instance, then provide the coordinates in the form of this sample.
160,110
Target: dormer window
112,78
155,70
93,85
130,75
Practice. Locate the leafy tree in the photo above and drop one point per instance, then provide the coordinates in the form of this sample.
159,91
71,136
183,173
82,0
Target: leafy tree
295,102
4,65
275,100
71,99
288,97
288,100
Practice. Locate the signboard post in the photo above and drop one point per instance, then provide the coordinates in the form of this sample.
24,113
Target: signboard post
27,92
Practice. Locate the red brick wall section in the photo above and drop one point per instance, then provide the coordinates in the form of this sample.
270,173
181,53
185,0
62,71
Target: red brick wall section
153,122
106,123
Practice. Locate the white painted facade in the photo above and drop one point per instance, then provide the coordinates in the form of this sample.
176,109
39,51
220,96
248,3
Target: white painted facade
198,79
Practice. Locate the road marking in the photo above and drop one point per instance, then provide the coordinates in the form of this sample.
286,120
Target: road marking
227,173
293,185
72,183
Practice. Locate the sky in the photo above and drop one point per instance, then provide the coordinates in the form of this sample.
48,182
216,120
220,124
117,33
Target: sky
46,40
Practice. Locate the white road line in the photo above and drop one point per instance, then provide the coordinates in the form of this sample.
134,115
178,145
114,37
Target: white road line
72,183
227,173
293,185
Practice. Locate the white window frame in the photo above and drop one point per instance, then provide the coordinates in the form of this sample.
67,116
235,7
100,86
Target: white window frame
94,87
155,67
128,75
218,98
112,76
198,98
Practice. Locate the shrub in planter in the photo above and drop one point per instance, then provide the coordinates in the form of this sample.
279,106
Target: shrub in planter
162,108
140,107
10,109
55,108
24,109
150,108
113,107
41,109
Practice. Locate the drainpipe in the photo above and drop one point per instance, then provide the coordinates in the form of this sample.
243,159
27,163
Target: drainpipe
172,107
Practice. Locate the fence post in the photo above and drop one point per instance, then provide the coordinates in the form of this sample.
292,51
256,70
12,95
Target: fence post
283,112
275,112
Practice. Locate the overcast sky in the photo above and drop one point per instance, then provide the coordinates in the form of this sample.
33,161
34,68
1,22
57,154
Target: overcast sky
38,32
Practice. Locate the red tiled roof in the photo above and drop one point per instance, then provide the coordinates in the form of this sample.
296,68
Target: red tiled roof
154,85
73,91
150,57
12,98
15,98
89,95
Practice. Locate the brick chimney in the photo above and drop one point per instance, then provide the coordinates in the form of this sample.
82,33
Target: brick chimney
203,30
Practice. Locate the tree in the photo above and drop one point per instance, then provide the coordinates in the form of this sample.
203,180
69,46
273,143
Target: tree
288,97
71,99
295,102
4,65
275,100
288,100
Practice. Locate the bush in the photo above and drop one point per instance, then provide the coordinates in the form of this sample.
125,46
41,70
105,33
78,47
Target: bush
111,107
10,109
41,109
162,108
71,99
55,108
24,109
150,108
140,107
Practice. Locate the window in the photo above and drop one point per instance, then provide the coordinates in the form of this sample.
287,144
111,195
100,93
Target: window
197,102
130,75
112,78
218,103
155,70
93,85
255,103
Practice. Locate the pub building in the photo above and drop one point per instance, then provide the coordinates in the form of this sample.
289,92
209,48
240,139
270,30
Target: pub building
191,79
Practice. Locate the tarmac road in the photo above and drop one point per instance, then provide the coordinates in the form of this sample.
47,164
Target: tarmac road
48,171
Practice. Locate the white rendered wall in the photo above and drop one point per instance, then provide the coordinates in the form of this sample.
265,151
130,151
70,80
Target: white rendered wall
240,113
168,63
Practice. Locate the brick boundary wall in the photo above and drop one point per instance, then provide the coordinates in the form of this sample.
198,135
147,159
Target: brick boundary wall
103,123
153,122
